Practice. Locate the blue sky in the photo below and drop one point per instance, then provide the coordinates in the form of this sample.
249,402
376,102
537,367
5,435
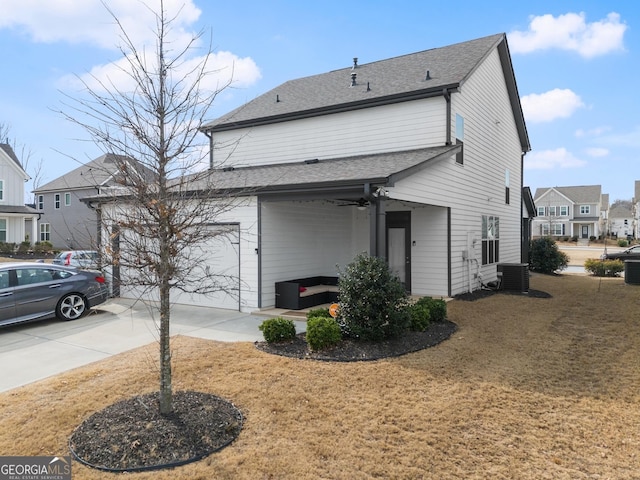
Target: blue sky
577,66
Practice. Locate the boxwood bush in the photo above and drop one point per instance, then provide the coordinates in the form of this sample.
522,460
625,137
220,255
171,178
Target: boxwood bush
278,329
322,332
545,257
373,301
603,268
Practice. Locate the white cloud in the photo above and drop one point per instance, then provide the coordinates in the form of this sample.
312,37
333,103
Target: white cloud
548,106
222,68
594,132
87,21
624,139
597,152
550,159
570,32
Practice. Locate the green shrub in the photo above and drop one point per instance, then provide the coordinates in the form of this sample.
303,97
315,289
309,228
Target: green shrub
322,332
318,312
278,329
545,257
373,301
43,247
622,242
437,307
420,316
574,239
603,268
7,248
24,247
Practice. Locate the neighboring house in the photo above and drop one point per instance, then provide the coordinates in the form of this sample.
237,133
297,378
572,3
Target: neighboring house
636,210
17,220
570,212
620,222
65,220
529,212
417,159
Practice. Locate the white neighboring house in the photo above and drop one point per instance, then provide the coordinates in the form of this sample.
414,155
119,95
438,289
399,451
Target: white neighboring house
636,210
17,220
417,159
578,211
620,222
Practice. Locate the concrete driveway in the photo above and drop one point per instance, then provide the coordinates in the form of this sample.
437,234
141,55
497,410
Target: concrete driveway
33,351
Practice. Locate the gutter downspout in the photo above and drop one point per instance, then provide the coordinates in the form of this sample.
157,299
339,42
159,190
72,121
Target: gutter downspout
447,97
210,137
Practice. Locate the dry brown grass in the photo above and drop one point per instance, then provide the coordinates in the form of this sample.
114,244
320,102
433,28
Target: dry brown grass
527,388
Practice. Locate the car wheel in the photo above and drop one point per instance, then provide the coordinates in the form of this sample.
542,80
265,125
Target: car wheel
71,306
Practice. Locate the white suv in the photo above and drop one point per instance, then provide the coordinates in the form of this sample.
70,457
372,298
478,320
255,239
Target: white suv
77,258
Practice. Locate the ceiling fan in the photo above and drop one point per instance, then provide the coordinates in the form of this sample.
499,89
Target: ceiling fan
361,203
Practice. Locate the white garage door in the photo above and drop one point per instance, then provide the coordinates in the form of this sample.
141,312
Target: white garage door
223,264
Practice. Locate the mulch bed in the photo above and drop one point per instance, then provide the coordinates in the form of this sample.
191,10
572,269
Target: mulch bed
356,351
132,435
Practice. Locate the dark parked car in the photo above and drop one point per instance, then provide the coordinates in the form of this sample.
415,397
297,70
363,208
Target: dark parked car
34,291
632,253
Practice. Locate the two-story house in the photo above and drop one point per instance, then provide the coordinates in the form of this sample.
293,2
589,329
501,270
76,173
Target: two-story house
17,221
635,208
65,220
620,222
417,159
574,212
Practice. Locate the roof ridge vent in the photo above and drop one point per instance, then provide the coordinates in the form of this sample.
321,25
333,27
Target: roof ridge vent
353,79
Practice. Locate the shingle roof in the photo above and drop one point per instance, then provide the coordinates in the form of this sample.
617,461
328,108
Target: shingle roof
374,168
580,194
620,212
22,209
97,172
6,148
385,81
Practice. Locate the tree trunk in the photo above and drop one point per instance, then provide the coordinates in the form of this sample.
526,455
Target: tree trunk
166,401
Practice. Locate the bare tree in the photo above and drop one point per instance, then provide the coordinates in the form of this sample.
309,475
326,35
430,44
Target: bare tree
159,225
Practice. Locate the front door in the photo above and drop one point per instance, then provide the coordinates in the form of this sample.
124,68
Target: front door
585,231
399,246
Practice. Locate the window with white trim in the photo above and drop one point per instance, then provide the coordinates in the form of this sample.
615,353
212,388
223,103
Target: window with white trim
67,199
56,201
564,211
460,138
490,239
45,232
585,209
542,212
1,190
40,202
3,230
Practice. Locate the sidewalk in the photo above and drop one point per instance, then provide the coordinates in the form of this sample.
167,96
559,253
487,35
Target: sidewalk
31,352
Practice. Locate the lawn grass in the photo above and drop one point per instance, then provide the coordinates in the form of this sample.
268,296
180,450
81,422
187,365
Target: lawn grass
527,388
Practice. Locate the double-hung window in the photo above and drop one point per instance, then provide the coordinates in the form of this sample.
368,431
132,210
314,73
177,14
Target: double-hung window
585,209
56,201
40,202
490,239
45,232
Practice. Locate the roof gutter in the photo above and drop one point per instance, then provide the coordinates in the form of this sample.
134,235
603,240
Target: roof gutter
344,107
